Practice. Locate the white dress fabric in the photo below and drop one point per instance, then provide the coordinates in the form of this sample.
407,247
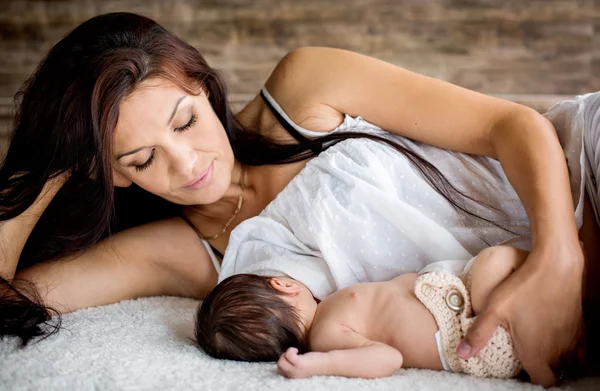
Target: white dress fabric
589,119
361,212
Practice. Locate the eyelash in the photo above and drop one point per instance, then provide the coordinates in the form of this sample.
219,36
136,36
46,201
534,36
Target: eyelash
142,167
183,128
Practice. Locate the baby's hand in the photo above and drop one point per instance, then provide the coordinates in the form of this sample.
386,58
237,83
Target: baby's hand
297,366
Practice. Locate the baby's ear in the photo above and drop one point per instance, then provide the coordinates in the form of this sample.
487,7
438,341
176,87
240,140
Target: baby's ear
285,285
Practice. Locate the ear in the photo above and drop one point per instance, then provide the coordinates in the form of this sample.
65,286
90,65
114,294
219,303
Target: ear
119,179
287,286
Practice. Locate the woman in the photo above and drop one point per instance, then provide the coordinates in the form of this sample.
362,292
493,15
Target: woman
121,102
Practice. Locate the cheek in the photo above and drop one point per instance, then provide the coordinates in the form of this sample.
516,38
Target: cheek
153,185
224,146
211,138
213,134
155,180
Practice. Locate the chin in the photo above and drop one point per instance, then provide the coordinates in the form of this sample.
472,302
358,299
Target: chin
206,196
200,199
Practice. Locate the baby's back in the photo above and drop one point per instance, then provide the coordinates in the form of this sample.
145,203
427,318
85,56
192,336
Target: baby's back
387,312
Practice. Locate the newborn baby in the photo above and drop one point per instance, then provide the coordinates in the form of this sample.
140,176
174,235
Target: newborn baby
366,330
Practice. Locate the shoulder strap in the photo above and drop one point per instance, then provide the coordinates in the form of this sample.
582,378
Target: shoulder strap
279,115
212,252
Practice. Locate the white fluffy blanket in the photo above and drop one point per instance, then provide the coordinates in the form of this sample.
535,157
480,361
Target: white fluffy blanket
145,345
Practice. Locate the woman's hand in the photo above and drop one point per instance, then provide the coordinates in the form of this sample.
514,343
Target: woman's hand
540,304
15,232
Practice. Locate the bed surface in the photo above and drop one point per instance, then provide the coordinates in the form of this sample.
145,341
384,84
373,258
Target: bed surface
145,344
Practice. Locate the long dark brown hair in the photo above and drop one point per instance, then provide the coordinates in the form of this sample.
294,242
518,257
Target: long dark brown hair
65,115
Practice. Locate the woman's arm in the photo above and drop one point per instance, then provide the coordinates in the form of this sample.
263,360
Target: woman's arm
15,232
451,117
161,258
164,257
444,115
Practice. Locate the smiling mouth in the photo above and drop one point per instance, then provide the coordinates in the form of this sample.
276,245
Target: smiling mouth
201,178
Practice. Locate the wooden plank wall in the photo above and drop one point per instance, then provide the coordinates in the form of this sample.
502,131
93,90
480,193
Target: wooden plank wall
534,51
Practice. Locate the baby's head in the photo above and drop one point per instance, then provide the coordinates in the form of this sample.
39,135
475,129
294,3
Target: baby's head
255,318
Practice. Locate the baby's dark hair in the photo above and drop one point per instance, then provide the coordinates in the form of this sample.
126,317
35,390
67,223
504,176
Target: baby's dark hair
245,319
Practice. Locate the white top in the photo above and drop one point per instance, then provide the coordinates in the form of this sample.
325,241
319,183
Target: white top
361,212
589,119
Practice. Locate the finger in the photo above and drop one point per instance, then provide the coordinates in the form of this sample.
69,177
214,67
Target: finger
478,335
541,374
284,367
284,372
281,362
280,369
536,361
282,359
292,355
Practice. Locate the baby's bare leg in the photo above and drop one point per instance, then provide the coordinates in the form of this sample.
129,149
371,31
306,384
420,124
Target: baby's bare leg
492,266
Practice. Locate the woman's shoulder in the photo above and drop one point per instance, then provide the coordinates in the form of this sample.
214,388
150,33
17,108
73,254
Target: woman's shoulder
295,80
295,94
295,75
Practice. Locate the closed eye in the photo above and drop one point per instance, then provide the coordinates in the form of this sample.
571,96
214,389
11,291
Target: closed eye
185,127
142,167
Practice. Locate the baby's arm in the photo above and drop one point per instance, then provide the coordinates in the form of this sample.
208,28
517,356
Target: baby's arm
492,266
340,351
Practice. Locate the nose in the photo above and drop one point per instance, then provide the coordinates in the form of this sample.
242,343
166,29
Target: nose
183,161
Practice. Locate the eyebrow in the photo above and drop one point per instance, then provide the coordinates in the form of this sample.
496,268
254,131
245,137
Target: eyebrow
175,109
119,156
129,153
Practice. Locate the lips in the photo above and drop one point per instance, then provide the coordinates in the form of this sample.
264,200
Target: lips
200,179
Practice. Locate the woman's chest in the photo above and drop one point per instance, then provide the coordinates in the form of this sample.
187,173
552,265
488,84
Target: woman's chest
271,180
366,203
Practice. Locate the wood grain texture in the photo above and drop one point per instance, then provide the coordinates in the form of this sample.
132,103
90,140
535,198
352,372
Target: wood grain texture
521,48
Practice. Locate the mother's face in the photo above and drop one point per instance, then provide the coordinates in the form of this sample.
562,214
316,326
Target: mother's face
171,144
